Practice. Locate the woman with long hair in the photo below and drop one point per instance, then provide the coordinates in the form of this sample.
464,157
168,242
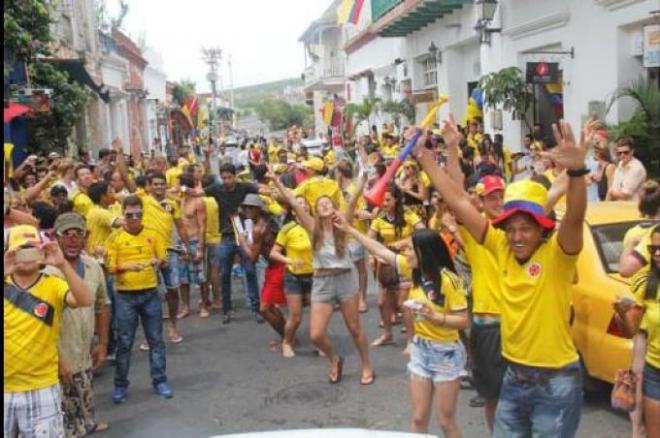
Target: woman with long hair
415,192
437,359
334,280
294,249
643,314
393,227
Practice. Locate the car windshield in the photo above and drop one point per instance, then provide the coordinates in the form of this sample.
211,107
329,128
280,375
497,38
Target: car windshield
609,241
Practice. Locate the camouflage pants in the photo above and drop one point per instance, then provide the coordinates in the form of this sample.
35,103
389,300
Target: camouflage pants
78,405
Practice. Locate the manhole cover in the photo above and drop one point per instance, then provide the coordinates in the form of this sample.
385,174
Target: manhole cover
309,394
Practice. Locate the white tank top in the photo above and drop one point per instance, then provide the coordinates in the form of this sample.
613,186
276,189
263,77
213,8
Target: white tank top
326,256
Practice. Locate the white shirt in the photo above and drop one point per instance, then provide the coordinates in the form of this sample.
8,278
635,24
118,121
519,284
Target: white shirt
629,178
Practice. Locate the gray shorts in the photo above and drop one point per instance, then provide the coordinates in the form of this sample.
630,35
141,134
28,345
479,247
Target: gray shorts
338,287
356,251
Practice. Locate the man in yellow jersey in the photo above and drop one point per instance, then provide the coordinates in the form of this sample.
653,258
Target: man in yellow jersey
84,178
162,214
33,307
100,220
213,240
135,254
77,353
542,387
317,185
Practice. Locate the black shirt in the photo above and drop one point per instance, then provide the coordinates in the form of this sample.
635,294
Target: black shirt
228,202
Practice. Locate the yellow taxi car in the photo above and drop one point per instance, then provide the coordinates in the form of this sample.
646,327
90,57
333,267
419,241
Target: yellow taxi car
602,346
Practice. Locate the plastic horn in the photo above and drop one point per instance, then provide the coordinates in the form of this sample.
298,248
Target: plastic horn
377,193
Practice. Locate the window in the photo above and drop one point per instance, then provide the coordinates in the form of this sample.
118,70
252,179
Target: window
430,71
609,241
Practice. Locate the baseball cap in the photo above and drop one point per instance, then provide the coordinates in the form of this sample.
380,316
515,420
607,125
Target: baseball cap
527,197
314,163
23,236
69,221
490,184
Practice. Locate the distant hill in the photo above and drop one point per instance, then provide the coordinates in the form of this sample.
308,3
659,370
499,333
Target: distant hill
248,96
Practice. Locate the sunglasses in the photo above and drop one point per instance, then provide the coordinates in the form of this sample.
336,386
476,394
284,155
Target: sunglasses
653,249
621,153
134,215
73,233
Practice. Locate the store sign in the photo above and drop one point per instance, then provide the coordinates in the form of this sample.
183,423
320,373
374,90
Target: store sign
651,55
542,72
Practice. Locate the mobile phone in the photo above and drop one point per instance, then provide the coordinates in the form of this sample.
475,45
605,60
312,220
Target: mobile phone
26,255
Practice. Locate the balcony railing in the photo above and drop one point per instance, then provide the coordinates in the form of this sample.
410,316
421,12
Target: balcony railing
324,69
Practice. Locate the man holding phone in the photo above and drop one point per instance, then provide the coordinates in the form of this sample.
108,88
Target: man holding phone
33,306
133,256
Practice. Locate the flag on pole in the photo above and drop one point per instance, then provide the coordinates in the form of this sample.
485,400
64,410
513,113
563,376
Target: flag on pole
344,11
355,11
328,111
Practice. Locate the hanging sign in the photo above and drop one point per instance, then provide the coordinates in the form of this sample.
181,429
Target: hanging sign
651,46
542,72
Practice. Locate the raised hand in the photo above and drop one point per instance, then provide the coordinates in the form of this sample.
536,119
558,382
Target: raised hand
450,132
53,254
568,153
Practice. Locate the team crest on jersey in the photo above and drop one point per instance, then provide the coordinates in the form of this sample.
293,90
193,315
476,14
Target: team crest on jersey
41,310
534,270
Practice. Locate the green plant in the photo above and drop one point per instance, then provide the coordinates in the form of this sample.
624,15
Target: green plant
404,107
507,90
182,89
644,125
361,111
27,37
281,115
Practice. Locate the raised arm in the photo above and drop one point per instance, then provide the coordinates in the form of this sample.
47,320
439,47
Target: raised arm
451,192
33,192
452,138
122,167
355,197
80,295
570,155
373,246
306,220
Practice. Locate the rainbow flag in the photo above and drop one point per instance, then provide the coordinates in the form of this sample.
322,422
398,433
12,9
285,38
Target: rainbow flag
349,11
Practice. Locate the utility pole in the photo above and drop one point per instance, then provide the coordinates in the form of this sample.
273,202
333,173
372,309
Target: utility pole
231,94
212,57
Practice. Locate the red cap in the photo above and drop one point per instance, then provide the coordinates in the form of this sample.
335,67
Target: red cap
492,183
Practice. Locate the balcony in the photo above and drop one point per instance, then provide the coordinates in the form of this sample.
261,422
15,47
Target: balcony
326,74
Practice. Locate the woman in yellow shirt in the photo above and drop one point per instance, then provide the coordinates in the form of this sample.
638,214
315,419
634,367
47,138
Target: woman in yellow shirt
643,313
294,249
437,359
393,226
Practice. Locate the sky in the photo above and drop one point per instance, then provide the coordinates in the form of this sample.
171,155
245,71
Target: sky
261,36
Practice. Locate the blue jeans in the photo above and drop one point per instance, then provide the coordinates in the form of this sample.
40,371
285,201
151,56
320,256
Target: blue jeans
110,286
146,306
228,249
539,402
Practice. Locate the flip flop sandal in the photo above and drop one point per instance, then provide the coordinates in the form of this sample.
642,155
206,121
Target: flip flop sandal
381,341
99,427
175,340
368,381
144,347
340,370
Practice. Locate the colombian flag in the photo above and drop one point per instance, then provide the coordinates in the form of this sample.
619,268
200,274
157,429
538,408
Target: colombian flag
349,11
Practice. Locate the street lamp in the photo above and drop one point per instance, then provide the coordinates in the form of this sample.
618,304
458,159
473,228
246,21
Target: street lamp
433,51
485,14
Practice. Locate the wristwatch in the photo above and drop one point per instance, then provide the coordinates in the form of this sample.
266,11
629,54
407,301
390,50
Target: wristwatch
576,173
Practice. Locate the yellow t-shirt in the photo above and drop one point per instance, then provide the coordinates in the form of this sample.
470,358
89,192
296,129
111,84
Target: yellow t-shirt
31,360
99,224
141,248
314,188
297,246
536,302
642,249
160,218
486,293
455,301
651,319
273,150
474,140
390,151
81,203
359,224
385,229
172,176
213,236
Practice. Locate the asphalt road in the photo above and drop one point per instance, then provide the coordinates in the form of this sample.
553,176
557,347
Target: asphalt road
227,380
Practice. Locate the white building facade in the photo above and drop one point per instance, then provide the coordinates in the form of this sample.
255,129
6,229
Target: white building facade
155,82
419,48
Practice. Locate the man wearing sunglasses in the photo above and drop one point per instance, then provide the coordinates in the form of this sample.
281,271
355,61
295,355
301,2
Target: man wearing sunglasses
629,174
134,255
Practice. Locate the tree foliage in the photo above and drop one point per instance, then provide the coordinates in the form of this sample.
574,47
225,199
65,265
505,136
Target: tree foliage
644,125
281,115
182,89
361,111
507,90
27,37
404,107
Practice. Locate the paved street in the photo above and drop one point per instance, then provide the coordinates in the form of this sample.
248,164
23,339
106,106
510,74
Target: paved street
227,380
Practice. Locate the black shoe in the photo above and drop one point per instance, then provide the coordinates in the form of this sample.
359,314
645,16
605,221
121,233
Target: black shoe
477,402
258,318
226,318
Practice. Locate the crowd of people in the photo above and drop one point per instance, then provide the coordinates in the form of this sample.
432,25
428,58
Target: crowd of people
469,258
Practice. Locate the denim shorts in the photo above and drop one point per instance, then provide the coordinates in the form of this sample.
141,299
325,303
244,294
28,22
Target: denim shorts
170,275
297,284
542,401
651,382
437,361
212,254
190,272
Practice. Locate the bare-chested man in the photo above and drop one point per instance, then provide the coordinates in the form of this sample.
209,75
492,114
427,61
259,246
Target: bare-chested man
194,221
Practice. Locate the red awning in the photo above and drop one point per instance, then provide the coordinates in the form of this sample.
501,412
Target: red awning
16,110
